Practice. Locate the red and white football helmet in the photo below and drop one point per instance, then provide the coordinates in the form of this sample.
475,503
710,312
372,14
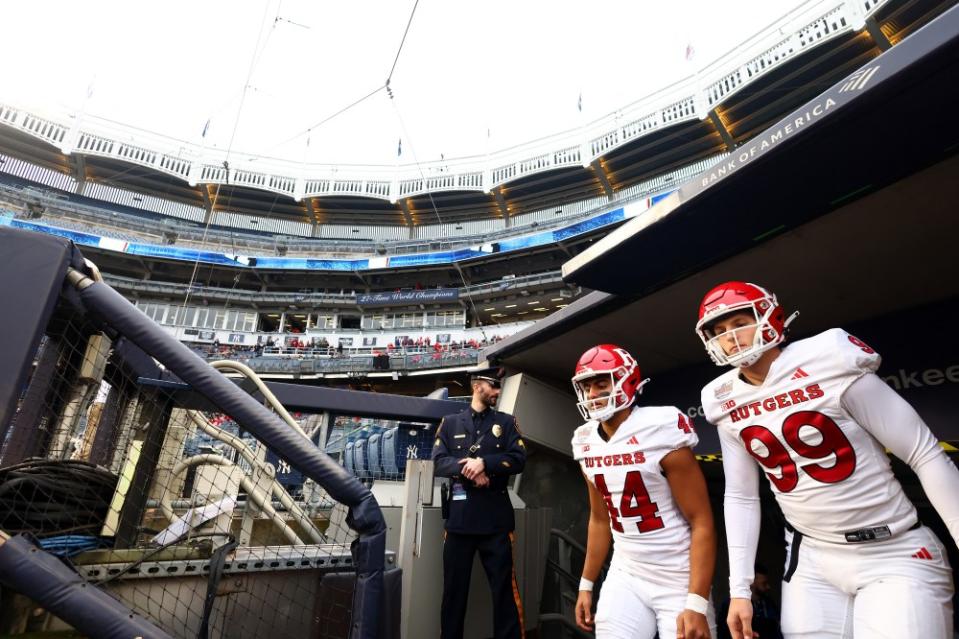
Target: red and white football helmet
732,297
623,371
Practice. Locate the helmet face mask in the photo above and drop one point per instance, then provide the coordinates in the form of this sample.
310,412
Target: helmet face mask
733,298
619,373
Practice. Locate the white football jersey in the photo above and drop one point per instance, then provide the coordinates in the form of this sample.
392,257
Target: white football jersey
831,477
649,530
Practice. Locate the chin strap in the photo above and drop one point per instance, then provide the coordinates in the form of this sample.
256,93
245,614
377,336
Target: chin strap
789,320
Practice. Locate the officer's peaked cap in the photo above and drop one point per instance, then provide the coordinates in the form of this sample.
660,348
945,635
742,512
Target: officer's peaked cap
493,374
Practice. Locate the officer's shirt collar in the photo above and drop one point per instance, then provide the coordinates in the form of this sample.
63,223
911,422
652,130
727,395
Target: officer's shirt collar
481,414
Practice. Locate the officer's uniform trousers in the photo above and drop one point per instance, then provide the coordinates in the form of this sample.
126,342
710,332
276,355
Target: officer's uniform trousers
480,518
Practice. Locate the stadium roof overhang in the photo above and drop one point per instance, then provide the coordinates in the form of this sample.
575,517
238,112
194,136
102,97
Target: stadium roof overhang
844,208
790,70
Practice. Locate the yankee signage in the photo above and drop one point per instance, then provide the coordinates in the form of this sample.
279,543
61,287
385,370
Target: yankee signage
408,297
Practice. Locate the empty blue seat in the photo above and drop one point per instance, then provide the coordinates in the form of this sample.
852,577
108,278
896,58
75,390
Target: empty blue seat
374,465
411,441
388,454
348,458
361,458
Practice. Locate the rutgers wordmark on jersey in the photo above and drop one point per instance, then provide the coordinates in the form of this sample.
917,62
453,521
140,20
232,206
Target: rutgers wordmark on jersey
830,476
649,530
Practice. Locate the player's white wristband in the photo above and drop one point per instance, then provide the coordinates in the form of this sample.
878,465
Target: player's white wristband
585,584
696,603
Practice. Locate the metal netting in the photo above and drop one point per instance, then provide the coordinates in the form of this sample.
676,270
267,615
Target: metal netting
147,491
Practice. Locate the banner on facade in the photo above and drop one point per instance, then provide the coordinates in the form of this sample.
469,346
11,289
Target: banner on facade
391,298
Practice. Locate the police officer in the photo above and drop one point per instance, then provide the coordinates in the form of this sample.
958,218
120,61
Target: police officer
478,449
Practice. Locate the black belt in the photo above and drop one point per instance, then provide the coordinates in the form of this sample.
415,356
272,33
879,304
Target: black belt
863,535
873,533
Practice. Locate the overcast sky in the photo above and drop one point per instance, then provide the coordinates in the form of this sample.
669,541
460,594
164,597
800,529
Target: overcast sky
472,76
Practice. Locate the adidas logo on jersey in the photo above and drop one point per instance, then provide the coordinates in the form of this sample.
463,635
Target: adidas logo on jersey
632,440
922,554
799,374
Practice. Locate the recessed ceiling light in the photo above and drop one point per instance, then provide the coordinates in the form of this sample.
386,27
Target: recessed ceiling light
511,306
532,303
557,299
490,309
541,308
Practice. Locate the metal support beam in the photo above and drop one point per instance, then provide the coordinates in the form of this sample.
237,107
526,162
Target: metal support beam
875,32
314,215
105,438
208,203
79,171
503,206
407,215
723,131
129,501
600,172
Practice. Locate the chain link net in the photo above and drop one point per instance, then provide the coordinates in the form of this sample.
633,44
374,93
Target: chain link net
187,519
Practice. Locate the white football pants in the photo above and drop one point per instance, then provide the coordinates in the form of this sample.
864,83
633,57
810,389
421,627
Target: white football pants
631,607
891,589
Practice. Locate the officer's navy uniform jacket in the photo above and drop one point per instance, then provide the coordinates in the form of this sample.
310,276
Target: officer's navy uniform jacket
485,510
482,522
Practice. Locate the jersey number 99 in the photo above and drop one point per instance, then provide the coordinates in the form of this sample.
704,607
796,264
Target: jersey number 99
832,442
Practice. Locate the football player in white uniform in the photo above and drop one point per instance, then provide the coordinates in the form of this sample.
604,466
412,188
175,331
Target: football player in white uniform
816,420
648,496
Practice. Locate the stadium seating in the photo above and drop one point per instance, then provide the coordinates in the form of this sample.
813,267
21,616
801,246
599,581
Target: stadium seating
374,466
361,458
348,458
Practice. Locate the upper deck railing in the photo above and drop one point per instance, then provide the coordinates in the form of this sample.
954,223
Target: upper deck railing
806,27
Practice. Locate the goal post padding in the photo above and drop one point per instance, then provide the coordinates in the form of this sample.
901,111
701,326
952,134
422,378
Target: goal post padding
61,590
33,270
365,517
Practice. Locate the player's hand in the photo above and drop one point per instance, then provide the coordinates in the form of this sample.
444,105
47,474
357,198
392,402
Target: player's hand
740,619
584,610
472,466
481,480
692,625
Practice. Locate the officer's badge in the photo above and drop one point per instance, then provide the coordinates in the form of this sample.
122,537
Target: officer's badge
497,430
436,443
520,442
